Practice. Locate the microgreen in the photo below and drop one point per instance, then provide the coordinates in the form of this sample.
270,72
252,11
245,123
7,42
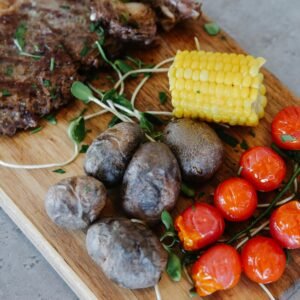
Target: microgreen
20,35
59,171
167,220
145,124
174,267
85,50
51,119
114,120
36,130
124,67
84,148
227,138
162,97
5,93
46,83
52,64
81,91
77,130
187,191
212,28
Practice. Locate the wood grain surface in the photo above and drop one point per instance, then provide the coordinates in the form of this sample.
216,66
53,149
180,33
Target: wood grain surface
22,195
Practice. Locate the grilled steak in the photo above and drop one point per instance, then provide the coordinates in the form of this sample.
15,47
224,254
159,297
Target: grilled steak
57,37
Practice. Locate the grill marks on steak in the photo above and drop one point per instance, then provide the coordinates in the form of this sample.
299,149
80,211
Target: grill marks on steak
28,88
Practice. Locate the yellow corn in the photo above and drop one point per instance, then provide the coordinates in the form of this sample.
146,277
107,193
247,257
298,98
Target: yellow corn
218,87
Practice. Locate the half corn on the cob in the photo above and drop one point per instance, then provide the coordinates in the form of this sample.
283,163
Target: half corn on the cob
218,87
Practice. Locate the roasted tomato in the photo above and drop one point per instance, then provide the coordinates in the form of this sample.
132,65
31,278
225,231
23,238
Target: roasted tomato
286,128
263,260
199,225
219,268
236,199
263,167
285,225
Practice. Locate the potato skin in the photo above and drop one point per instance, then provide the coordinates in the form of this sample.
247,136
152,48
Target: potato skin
110,153
75,202
151,182
197,148
128,252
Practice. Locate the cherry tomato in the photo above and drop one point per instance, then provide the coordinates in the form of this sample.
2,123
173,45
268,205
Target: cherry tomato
285,225
199,225
263,260
236,199
219,268
286,128
263,167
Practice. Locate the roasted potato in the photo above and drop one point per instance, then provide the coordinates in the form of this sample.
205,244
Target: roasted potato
151,182
197,148
75,202
128,252
110,153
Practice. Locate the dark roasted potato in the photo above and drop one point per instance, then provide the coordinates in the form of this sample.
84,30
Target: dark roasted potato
196,146
128,252
151,182
110,153
75,202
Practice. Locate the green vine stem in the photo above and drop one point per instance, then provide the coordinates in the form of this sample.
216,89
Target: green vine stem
269,209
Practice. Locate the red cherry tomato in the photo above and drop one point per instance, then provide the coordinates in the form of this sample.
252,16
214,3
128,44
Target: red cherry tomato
263,167
236,199
263,260
199,225
219,268
285,225
286,128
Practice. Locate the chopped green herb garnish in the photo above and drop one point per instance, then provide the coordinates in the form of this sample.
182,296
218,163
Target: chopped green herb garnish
65,6
59,171
85,50
52,64
36,130
227,138
51,119
20,35
5,93
287,138
54,93
252,133
162,97
114,120
187,191
9,71
244,145
46,83
212,28
84,148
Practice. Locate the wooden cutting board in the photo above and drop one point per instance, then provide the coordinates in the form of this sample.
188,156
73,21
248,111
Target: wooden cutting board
22,192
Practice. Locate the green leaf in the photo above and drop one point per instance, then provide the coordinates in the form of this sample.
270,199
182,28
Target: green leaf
84,148
227,138
59,171
85,50
9,71
52,64
244,145
109,95
51,118
36,130
114,120
20,35
187,191
174,267
145,124
193,292
81,91
162,97
287,138
212,28
46,83
153,119
77,130
5,93
167,220
124,67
